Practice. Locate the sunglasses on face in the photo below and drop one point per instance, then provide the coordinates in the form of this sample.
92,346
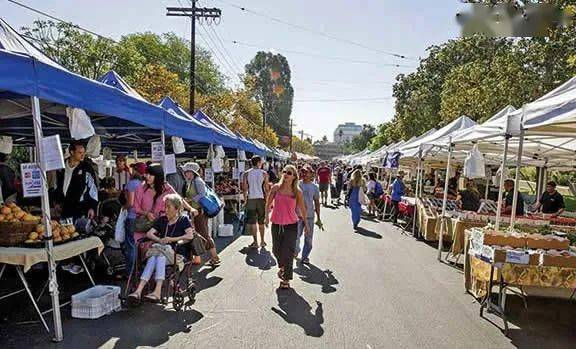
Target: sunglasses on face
288,173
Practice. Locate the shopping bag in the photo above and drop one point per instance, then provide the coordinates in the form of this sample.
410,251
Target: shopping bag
363,198
120,229
79,123
211,204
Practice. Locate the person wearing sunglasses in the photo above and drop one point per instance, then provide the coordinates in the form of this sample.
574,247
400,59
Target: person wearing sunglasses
282,202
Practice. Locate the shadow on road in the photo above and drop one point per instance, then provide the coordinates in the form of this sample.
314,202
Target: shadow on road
203,282
294,309
368,233
313,275
259,258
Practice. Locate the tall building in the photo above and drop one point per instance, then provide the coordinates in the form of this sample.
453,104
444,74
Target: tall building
328,150
345,132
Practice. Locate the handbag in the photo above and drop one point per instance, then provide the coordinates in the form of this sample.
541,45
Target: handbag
142,224
199,244
362,197
211,204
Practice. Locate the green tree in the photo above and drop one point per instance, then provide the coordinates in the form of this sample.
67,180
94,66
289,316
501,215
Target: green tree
273,88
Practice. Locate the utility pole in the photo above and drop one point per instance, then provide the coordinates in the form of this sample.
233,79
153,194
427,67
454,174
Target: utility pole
291,135
193,13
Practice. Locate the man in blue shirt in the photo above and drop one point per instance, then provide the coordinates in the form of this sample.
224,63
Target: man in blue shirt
396,196
311,194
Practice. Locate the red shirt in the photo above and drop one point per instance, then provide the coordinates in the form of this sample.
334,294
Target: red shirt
324,175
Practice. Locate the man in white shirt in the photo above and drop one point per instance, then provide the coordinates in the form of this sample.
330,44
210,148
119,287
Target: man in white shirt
255,187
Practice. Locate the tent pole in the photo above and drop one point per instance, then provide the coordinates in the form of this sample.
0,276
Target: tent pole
52,280
502,179
445,199
487,190
386,191
538,181
517,179
163,140
417,192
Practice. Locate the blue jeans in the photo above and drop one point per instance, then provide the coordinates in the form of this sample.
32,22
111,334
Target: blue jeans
307,238
129,245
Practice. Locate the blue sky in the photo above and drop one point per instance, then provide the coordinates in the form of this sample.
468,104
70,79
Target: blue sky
404,27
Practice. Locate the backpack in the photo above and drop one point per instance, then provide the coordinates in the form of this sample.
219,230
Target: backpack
378,190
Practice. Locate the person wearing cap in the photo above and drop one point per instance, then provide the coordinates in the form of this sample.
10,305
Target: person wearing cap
194,190
139,169
121,174
551,201
396,195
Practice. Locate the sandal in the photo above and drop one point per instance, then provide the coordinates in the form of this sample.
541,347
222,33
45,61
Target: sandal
263,244
284,285
215,262
253,245
152,298
133,300
281,274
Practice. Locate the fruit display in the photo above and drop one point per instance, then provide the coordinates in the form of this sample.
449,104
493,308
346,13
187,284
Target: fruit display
60,233
11,213
225,185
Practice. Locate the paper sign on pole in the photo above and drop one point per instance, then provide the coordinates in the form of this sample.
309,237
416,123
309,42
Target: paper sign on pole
209,175
241,166
53,156
235,173
31,180
157,151
169,164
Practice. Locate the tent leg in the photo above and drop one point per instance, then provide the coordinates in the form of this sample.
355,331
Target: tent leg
444,201
53,281
417,193
502,179
517,180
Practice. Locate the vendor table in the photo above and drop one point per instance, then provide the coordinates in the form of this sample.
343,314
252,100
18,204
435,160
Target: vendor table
456,229
480,275
427,224
24,258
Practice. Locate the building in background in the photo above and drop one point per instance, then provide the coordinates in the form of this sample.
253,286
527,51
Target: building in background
345,132
328,150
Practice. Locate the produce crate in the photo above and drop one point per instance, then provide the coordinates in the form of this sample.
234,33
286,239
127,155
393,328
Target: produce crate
96,302
15,233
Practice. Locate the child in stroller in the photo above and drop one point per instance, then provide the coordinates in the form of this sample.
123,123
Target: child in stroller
167,255
104,228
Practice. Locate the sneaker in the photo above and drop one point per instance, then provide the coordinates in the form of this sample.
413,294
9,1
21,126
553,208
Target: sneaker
305,261
76,269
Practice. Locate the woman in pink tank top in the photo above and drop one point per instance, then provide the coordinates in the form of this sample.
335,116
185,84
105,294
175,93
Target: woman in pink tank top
283,199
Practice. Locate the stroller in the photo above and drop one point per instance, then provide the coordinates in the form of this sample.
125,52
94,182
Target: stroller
104,227
178,285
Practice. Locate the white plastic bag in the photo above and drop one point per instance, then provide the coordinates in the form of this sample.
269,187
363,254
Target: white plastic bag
94,146
79,123
178,145
5,145
363,198
220,152
217,165
474,165
242,155
120,230
496,179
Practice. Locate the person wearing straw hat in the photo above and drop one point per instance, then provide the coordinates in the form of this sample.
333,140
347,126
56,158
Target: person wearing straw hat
194,190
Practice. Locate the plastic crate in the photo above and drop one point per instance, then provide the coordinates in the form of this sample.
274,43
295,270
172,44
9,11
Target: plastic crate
96,302
225,230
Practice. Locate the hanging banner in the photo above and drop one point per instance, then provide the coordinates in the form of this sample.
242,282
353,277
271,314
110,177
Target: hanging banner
52,153
31,180
157,151
209,175
169,164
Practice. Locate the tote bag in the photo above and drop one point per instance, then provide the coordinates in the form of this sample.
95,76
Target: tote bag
211,204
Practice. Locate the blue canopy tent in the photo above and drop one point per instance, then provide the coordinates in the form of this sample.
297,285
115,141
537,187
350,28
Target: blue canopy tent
36,90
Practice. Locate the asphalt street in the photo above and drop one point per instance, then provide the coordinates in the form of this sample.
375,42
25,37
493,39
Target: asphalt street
373,289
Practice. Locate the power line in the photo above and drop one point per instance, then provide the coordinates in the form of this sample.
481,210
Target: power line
225,49
317,32
60,20
216,56
344,100
328,57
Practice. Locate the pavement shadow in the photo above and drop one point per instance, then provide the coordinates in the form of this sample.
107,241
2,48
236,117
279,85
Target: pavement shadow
368,233
258,258
313,275
150,325
294,309
547,323
203,282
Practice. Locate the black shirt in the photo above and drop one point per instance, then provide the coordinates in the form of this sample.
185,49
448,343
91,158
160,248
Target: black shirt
453,186
519,205
163,229
470,200
551,203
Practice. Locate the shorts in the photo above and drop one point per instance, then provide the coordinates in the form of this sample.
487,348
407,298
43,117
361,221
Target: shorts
255,211
324,187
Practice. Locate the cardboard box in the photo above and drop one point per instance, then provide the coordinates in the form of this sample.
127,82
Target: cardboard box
558,261
504,239
547,242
